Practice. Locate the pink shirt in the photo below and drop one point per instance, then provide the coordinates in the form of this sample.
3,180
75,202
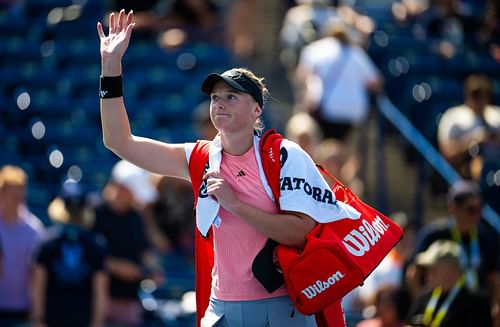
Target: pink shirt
237,243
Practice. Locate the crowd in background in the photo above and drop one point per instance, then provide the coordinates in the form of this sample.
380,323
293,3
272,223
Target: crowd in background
86,265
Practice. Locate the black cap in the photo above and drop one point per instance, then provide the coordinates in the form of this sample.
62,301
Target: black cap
235,79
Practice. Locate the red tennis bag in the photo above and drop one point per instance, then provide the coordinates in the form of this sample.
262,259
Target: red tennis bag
337,256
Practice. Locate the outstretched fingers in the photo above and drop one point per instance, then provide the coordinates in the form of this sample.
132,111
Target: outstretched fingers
128,30
112,26
130,17
118,24
121,20
100,31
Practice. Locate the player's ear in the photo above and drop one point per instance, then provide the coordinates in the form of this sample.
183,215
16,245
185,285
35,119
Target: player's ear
257,110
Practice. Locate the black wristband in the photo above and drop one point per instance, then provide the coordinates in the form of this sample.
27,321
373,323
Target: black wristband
110,87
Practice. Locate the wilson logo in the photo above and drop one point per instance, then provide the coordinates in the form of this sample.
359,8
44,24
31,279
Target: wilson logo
360,240
320,286
271,155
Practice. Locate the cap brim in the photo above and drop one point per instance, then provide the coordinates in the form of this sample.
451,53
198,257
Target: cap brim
425,259
213,78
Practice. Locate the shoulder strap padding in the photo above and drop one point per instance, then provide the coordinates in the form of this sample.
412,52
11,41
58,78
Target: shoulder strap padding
197,163
270,144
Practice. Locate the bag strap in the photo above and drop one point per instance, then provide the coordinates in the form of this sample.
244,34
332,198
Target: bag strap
270,147
197,163
342,192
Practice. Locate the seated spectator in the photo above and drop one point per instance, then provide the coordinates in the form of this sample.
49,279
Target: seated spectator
470,133
342,162
120,222
446,302
69,280
391,308
333,80
464,226
305,131
20,231
172,213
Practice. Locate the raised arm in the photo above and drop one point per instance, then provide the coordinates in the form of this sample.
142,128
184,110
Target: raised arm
158,157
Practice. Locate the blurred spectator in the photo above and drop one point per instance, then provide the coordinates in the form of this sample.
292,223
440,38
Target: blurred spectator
305,131
145,15
391,308
118,220
203,122
173,214
446,302
303,24
69,281
490,33
308,21
241,21
470,133
342,162
20,231
188,21
175,22
333,80
442,26
479,241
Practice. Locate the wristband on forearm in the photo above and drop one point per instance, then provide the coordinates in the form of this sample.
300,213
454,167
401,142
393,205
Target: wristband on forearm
110,87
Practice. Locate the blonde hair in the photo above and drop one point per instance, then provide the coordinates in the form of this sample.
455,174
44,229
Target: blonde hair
12,176
259,81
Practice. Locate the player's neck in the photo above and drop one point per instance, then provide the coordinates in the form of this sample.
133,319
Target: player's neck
236,144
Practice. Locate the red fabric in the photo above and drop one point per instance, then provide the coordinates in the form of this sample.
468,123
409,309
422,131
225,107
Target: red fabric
204,251
346,251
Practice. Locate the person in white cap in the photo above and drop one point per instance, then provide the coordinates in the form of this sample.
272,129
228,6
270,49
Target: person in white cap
121,224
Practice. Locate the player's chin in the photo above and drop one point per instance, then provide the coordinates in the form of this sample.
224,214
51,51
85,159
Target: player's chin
222,122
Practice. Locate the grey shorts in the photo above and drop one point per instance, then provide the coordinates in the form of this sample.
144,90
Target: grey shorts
274,312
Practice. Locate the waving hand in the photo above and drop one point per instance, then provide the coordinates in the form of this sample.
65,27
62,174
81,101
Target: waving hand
114,45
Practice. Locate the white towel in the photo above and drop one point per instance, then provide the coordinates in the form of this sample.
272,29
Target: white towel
303,189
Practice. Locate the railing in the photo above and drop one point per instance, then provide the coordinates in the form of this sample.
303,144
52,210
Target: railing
429,153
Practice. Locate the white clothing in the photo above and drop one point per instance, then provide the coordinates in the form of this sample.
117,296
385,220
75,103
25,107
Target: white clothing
459,121
344,72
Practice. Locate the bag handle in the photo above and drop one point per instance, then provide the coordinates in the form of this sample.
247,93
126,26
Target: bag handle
348,194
